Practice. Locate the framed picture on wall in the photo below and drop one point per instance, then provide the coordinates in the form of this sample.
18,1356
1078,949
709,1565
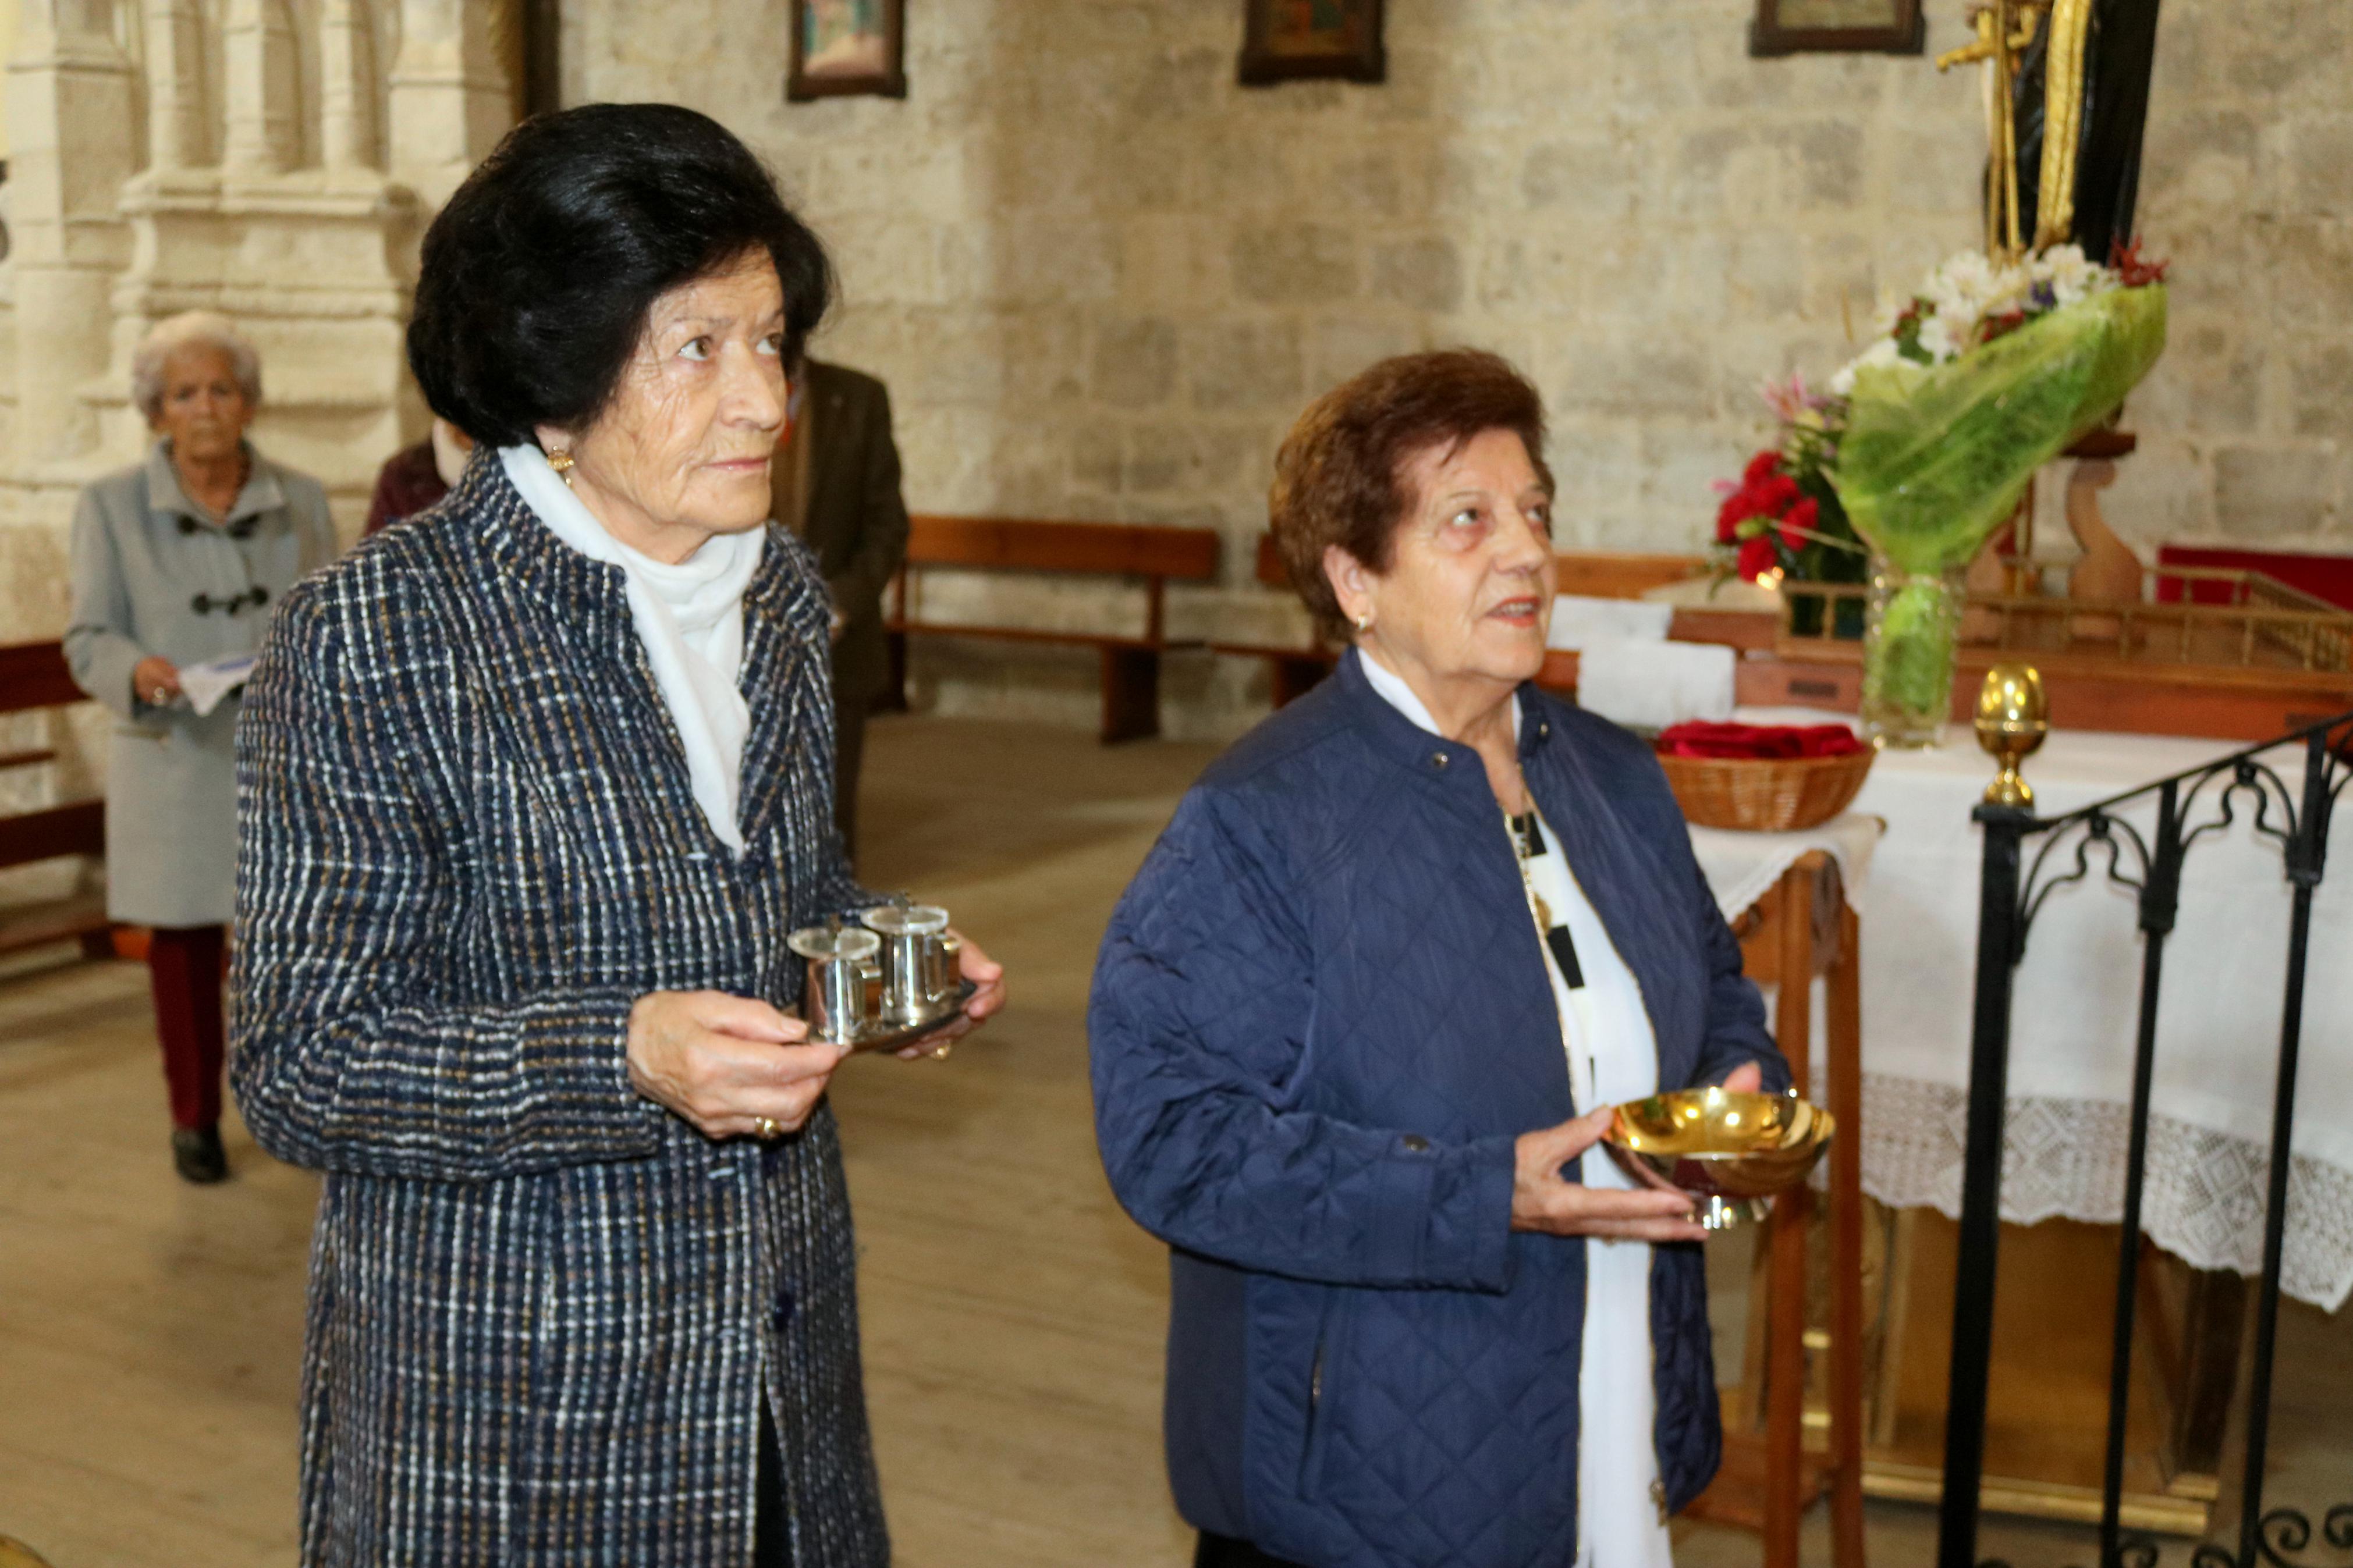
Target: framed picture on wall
1294,40
1836,26
843,49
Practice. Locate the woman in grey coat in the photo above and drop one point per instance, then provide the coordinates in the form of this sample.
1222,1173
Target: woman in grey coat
533,789
177,561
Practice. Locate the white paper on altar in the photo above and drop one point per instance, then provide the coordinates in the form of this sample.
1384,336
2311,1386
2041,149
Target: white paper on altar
2074,1011
1578,620
1650,685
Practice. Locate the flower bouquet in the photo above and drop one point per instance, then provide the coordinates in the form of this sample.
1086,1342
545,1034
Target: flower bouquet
1978,379
1783,518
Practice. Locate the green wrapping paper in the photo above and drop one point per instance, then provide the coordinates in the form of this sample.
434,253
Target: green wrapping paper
1936,457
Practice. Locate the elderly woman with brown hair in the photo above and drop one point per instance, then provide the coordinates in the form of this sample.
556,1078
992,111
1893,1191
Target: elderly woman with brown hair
1358,1023
176,562
534,787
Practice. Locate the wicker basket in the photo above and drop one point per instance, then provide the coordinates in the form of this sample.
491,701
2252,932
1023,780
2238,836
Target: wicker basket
1766,794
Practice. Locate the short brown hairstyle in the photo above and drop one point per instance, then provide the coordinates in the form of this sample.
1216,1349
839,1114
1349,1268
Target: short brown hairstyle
1340,476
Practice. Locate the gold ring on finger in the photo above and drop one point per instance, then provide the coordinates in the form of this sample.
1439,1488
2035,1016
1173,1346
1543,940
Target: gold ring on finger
940,1052
767,1128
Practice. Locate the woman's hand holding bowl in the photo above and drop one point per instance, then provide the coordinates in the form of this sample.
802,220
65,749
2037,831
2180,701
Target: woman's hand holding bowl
1542,1201
731,1064
988,977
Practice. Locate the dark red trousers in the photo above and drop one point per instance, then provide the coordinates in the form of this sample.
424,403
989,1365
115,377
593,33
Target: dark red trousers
183,966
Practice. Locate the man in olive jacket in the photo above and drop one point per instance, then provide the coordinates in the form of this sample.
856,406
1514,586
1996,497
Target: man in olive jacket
836,484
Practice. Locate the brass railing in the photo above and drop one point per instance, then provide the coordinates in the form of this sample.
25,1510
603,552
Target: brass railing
2260,621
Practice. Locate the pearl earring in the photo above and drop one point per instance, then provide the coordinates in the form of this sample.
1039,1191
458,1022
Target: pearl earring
1364,622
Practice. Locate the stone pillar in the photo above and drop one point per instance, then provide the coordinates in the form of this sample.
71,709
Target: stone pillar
264,135
178,132
450,101
346,103
71,95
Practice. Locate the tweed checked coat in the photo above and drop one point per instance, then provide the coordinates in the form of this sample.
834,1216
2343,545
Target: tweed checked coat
543,1311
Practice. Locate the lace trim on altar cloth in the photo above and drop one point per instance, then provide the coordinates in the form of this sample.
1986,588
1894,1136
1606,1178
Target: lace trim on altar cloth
2203,1201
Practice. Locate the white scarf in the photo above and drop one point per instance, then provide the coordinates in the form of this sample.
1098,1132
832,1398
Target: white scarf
690,619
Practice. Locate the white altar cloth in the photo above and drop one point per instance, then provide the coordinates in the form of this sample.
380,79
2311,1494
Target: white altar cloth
2074,1011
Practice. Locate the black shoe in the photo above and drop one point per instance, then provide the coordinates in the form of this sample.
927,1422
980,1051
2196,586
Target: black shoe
198,1155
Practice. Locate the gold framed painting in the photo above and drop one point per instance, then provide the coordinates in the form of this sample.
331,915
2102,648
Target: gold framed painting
844,48
1836,26
1296,40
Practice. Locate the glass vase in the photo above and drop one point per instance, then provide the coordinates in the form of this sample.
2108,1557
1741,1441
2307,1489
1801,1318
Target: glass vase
1911,637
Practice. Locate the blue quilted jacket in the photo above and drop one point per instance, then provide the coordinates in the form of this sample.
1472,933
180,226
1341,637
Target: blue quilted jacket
1320,1019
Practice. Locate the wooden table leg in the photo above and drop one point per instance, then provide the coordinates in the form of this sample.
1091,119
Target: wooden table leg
1131,693
1845,1093
1785,1353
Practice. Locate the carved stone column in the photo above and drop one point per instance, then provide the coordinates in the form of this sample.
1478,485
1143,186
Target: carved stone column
178,126
264,135
71,136
450,100
347,137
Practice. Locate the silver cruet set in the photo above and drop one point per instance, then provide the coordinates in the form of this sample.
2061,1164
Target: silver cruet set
882,983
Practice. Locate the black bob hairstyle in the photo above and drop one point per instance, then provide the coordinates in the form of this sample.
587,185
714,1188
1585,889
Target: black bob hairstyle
538,275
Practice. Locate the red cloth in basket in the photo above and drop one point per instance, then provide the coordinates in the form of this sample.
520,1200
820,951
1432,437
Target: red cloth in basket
1700,738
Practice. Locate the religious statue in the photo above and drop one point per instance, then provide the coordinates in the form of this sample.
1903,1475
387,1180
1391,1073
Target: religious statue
2066,98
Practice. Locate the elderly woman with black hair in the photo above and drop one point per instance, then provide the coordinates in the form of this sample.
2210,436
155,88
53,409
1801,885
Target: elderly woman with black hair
176,560
1358,1024
533,789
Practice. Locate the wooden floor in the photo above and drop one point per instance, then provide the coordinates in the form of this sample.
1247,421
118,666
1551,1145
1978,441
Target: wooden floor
150,1331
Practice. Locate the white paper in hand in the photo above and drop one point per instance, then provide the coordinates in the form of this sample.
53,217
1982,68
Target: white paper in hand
205,684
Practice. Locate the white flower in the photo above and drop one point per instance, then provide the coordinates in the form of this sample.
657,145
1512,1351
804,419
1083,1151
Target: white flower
2071,275
1892,306
1881,354
1942,337
1968,288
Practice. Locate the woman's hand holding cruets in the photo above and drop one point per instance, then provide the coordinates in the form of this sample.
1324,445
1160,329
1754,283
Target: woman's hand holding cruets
898,978
736,1066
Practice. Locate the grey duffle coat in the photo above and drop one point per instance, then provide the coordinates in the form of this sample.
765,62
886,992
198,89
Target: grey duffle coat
153,575
545,1313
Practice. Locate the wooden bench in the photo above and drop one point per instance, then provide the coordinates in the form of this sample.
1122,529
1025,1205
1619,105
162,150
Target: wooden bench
33,676
1293,669
1130,665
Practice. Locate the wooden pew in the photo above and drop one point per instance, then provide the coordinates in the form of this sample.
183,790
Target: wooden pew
1293,669
1130,664
33,675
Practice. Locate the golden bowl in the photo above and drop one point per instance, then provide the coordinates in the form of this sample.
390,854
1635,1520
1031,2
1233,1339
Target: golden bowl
1730,1152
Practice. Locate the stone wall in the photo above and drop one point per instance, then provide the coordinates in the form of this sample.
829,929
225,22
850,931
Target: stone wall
1101,278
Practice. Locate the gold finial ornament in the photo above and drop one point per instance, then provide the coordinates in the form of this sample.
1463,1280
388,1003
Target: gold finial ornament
2013,715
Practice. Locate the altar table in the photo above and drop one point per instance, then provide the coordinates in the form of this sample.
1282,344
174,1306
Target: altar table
2075,1008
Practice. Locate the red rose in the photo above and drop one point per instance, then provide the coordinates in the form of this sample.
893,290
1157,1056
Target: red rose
1728,516
1777,495
1763,464
1756,557
1801,516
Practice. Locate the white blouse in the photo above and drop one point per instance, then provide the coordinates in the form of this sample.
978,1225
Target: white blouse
1613,1057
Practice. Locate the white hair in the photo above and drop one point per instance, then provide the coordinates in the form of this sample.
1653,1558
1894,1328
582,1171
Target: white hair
191,328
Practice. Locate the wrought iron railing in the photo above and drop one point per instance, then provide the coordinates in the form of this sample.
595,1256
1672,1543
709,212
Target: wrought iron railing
2074,848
